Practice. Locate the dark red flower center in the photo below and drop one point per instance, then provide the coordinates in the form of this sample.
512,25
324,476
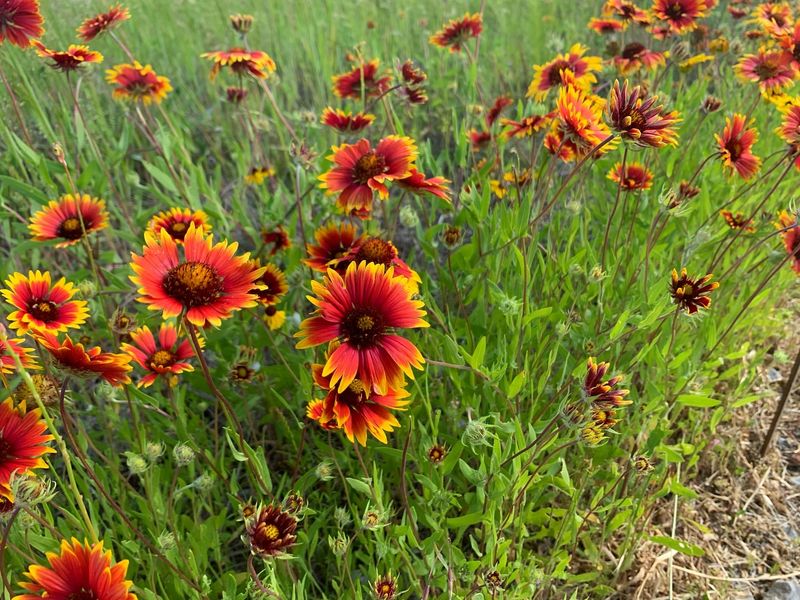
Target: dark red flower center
178,229
270,311
362,327
633,50
70,228
634,120
375,250
6,449
765,70
44,310
368,166
162,359
675,10
193,284
734,148
554,74
82,594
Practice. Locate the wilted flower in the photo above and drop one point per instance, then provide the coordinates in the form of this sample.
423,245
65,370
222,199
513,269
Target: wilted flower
271,531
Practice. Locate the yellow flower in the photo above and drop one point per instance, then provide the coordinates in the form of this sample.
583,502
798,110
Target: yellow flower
274,318
257,175
694,60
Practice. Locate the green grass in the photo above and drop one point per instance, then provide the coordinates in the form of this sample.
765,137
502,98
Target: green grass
514,311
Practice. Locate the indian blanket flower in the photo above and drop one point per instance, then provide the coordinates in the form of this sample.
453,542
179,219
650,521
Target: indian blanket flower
679,15
789,130
357,410
579,122
363,80
478,139
737,221
99,24
79,571
42,305
270,531
334,241
458,31
10,347
635,56
412,74
385,587
572,68
375,250
176,222
771,69
23,443
736,147
691,293
418,184
636,117
346,122
137,83
627,11
20,22
69,59
525,127
498,106
276,239
791,237
271,285
363,310
207,284
255,63
165,357
790,43
359,170
604,394
68,219
81,362
774,17
606,26
633,177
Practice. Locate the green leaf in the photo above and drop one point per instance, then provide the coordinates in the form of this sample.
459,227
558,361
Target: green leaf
360,486
476,360
678,545
516,384
697,401
465,520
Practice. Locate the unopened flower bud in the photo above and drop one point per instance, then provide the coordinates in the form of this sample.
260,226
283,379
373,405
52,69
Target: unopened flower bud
183,455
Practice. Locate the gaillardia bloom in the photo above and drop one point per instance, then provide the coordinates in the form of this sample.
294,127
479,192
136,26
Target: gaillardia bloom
385,587
635,56
774,17
242,62
418,184
69,59
138,83
691,293
14,346
164,358
378,251
635,116
362,310
633,177
333,243
363,80
606,26
498,106
680,15
61,219
791,237
579,124
526,127
737,221
176,222
458,31
79,361
736,147
346,122
359,170
772,70
604,394
789,130
23,442
276,239
357,410
271,285
271,531
627,11
103,22
20,22
41,305
207,284
572,68
78,572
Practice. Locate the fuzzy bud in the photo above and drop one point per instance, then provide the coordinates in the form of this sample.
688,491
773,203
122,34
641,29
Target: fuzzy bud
183,455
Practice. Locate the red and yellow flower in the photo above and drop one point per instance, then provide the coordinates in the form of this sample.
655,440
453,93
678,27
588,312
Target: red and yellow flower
23,443
498,106
772,70
737,221
775,17
633,177
176,222
635,56
334,241
691,293
10,347
361,81
579,124
789,130
417,183
627,11
41,305
525,127
604,394
79,571
679,15
606,26
791,237
276,239
736,147
103,22
77,360
359,170
165,358
207,284
362,311
356,410
69,219
636,117
572,68
69,59
271,285
346,122
375,250
137,83
271,531
255,63
20,22
458,31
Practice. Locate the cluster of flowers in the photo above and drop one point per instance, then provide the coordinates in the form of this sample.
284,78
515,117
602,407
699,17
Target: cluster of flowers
604,397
